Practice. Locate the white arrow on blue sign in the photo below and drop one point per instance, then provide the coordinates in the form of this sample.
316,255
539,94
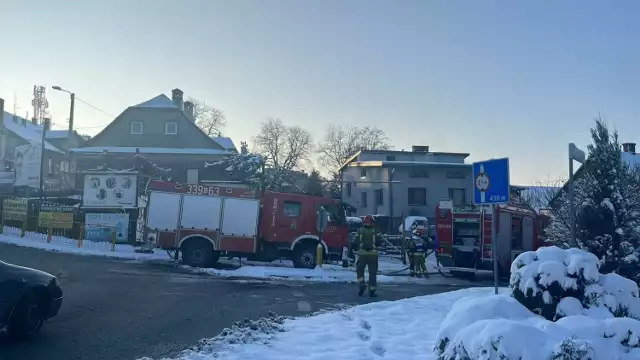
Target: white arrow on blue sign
491,182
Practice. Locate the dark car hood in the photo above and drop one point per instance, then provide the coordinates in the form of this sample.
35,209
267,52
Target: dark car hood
29,274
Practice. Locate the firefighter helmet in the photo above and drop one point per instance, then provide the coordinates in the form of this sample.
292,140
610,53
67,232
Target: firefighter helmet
368,220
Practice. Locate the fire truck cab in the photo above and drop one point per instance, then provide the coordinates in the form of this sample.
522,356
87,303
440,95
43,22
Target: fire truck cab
464,237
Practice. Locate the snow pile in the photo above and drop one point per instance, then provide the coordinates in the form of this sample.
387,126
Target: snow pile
500,328
390,271
11,235
402,330
552,282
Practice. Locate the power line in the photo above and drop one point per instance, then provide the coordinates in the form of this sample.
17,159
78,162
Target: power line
94,107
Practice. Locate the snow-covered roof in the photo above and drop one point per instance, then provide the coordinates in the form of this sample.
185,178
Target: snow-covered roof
540,196
57,134
160,101
406,163
26,130
148,150
225,142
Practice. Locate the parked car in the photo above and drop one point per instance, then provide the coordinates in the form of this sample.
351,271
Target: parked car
28,297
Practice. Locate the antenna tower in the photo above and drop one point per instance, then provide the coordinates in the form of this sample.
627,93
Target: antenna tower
40,104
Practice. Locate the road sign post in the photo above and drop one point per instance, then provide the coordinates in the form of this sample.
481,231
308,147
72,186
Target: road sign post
491,187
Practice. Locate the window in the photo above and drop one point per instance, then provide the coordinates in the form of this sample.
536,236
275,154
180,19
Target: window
363,172
335,213
417,196
292,209
418,172
458,196
379,197
455,175
192,176
348,189
391,158
136,128
171,128
363,199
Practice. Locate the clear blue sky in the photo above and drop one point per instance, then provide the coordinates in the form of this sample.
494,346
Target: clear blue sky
492,78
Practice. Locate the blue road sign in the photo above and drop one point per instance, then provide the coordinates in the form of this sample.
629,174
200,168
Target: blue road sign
491,182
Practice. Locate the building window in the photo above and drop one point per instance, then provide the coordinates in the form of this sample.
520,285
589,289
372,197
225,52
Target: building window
363,199
363,172
379,197
292,209
391,158
455,175
348,189
417,196
418,172
458,197
192,176
136,128
171,128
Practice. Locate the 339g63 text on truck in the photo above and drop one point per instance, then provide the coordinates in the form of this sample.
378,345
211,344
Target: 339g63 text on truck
203,222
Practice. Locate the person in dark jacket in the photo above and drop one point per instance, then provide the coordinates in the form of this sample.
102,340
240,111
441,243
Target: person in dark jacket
367,244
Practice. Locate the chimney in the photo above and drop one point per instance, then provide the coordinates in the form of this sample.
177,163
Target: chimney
46,124
176,97
34,121
629,148
24,122
420,148
188,110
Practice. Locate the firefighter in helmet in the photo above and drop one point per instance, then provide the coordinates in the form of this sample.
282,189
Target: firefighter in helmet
367,244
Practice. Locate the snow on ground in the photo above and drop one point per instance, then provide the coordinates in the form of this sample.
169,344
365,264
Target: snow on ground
403,329
36,240
391,270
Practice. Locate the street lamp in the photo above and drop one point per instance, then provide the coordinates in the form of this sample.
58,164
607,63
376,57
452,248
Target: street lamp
73,103
579,156
70,132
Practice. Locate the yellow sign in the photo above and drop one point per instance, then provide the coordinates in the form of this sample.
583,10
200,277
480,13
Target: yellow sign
14,209
55,220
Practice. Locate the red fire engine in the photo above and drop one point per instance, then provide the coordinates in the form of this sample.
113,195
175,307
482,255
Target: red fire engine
464,236
204,222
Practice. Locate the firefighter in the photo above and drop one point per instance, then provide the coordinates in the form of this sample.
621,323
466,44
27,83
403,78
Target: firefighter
419,255
367,244
410,244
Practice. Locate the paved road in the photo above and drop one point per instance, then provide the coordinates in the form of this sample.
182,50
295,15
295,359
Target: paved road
116,309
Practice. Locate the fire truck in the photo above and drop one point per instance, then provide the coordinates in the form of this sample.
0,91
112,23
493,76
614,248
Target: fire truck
203,222
464,236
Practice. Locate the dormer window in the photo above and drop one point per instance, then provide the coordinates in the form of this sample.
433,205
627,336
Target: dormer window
171,128
136,128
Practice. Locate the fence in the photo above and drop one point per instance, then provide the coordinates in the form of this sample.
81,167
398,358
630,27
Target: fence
48,220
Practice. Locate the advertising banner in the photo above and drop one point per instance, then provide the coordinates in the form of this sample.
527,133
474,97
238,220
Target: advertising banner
56,216
27,165
98,227
110,190
14,209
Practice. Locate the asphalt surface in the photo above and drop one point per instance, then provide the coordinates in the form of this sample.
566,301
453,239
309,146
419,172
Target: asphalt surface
118,309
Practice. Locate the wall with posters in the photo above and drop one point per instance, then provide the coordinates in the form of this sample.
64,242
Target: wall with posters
98,226
27,165
110,191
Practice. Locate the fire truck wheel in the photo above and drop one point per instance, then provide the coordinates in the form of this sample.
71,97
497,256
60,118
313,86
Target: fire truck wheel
199,252
305,257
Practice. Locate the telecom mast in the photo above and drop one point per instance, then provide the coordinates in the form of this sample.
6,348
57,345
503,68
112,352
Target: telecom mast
40,104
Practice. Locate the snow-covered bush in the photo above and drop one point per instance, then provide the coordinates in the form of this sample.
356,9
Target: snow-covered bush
500,328
607,212
554,283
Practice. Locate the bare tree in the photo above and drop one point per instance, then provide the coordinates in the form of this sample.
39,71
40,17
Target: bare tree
211,120
341,143
284,147
540,196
